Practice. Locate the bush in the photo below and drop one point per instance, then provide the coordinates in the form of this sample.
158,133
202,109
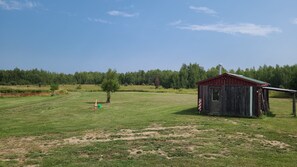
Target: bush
54,87
79,86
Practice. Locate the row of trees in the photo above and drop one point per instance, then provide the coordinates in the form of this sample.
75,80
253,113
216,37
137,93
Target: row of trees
186,77
42,77
278,76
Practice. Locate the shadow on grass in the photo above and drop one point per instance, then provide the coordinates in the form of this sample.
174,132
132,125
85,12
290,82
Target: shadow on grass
270,114
189,111
194,111
282,115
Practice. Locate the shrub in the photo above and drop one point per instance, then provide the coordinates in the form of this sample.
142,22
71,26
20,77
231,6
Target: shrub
53,88
79,86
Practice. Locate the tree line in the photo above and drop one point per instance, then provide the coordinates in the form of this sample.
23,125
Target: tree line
186,77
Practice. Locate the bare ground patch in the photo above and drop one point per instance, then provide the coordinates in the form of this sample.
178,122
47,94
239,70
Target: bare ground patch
261,139
21,147
128,134
231,121
174,141
139,152
221,154
17,149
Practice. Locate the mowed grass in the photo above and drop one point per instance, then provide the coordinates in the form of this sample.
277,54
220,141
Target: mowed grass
140,129
72,112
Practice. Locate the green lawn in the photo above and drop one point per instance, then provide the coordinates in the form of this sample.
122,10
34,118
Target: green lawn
140,129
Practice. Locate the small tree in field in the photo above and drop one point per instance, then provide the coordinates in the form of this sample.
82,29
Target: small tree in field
110,83
53,88
157,82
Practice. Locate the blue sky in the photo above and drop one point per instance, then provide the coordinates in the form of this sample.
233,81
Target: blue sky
129,35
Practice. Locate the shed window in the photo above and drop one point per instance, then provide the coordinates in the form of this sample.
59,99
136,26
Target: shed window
216,94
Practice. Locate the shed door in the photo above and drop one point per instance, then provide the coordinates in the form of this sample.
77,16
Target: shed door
215,101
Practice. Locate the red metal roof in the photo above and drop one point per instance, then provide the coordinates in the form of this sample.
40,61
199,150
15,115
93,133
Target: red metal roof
232,79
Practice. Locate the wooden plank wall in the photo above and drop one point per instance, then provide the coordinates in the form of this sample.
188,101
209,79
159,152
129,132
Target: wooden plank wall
204,95
237,101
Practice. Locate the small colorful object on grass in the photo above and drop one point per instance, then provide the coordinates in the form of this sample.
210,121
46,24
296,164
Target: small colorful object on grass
99,106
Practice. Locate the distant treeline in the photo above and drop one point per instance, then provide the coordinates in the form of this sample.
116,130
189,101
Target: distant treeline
186,77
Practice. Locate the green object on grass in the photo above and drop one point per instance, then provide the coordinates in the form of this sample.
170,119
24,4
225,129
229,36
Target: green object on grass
99,105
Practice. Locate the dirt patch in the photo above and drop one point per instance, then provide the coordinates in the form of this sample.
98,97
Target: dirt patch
259,136
98,136
128,134
172,142
231,121
293,136
191,148
20,147
167,128
222,154
274,143
138,152
211,156
260,139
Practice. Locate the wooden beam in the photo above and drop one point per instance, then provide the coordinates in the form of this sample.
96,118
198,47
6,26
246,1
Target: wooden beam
294,105
267,98
251,101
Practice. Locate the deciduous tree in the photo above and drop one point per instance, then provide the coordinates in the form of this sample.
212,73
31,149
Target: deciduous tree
110,83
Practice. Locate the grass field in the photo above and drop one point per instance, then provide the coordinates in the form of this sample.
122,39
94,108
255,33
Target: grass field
97,88
140,129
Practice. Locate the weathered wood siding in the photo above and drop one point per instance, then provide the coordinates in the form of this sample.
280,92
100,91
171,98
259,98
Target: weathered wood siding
204,95
234,97
237,101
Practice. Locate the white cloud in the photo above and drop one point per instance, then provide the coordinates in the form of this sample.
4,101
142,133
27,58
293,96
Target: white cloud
244,28
204,10
123,14
17,5
175,23
99,20
294,21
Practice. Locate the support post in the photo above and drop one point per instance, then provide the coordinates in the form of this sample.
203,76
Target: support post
198,98
251,101
294,105
267,97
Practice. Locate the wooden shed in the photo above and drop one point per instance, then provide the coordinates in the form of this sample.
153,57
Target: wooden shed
233,95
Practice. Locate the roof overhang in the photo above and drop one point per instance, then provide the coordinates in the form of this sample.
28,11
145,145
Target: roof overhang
280,89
